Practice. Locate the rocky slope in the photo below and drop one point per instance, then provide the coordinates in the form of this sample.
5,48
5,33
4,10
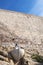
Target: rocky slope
26,30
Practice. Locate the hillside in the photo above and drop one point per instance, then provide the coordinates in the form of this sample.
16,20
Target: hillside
23,29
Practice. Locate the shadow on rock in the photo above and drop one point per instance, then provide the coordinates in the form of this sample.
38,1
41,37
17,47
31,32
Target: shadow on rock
22,61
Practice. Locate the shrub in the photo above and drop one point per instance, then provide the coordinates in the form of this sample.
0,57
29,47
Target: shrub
37,57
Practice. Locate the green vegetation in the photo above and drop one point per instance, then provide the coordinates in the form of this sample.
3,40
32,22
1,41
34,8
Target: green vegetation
37,57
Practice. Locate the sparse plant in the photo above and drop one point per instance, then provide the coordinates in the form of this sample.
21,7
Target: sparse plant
37,57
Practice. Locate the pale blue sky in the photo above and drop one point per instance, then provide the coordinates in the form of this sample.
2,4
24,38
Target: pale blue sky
34,7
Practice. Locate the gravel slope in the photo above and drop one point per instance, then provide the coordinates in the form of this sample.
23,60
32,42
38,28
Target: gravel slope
24,29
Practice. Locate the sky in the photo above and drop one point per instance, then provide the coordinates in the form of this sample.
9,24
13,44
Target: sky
34,7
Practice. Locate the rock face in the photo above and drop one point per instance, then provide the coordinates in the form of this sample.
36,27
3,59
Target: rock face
24,29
